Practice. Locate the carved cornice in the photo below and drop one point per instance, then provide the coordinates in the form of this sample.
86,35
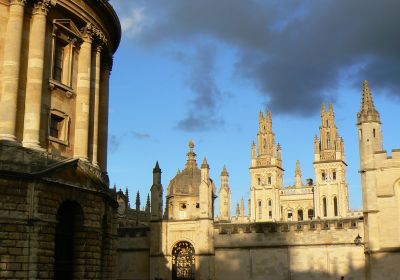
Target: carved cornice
42,7
94,33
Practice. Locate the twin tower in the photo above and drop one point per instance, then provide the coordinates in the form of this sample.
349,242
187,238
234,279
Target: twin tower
325,197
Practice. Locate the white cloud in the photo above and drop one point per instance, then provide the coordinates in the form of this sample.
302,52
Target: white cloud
133,23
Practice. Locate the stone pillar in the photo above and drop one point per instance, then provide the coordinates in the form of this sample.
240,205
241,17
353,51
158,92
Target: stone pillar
96,105
34,87
81,143
103,114
11,68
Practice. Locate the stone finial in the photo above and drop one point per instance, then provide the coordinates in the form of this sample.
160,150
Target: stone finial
237,210
191,161
253,150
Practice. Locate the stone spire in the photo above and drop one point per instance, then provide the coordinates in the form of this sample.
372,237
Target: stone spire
137,201
298,175
237,210
224,171
191,162
225,196
137,207
147,209
242,209
127,196
368,111
205,170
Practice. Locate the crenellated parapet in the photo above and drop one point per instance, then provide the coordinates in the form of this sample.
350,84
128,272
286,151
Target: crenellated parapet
331,231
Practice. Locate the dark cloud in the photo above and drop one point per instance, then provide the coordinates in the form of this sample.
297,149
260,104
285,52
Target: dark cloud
295,52
113,143
200,79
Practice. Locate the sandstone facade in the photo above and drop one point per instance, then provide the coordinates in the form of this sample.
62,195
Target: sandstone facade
305,231
57,214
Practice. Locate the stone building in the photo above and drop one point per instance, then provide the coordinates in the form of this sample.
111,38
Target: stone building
305,231
57,214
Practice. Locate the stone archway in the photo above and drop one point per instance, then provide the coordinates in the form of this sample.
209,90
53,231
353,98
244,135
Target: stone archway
69,223
183,261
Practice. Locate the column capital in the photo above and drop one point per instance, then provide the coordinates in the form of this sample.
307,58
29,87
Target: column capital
42,7
18,2
94,33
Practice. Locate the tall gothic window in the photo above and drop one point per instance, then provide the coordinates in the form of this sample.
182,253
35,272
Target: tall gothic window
300,215
324,206
335,206
310,214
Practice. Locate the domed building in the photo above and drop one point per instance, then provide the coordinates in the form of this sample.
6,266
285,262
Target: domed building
183,200
57,214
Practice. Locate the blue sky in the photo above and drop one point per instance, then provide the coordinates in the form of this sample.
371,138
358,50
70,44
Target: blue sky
203,70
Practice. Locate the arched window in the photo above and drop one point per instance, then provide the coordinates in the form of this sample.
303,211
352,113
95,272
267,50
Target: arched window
300,215
335,206
68,227
270,203
373,132
259,210
290,215
183,261
310,214
328,141
324,207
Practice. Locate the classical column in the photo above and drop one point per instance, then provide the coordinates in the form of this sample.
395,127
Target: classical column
103,114
96,105
34,86
81,143
11,65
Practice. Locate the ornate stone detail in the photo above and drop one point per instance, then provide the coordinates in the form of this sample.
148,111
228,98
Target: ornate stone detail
94,33
42,7
18,2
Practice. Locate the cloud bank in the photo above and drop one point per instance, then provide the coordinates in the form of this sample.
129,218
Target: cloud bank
295,53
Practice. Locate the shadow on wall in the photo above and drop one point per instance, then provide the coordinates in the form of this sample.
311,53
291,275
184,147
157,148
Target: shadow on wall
239,258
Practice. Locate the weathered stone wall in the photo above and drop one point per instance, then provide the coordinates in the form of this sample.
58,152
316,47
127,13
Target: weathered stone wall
308,250
133,253
33,187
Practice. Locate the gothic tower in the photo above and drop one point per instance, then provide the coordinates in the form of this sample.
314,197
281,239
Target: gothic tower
266,174
370,142
156,194
331,197
225,196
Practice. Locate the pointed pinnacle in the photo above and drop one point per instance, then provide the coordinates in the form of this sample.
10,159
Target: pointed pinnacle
156,168
298,168
323,108
205,164
367,100
224,172
330,107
